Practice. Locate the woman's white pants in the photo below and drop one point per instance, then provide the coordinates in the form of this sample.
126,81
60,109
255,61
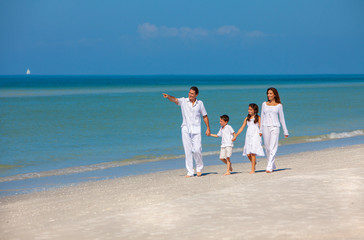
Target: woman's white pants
271,137
193,150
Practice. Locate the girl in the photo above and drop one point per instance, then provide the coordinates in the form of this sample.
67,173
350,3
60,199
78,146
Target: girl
270,126
253,141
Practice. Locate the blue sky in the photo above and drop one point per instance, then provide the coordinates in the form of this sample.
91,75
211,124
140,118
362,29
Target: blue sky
140,37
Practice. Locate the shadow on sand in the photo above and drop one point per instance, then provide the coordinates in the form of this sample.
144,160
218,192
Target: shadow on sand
277,170
207,173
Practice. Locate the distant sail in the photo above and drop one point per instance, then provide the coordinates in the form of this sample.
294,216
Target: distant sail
28,72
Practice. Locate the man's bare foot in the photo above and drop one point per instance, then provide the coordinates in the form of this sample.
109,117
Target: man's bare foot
252,172
230,169
227,173
199,174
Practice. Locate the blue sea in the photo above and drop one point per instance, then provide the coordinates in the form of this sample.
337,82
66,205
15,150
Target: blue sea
68,128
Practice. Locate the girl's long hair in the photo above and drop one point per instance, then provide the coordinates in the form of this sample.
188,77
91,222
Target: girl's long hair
277,98
256,110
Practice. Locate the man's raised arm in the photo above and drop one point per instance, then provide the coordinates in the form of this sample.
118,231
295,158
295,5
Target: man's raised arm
170,98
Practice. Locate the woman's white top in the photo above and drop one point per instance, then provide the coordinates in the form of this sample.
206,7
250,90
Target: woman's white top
270,114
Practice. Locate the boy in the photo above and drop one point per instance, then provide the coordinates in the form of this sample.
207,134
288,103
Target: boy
226,133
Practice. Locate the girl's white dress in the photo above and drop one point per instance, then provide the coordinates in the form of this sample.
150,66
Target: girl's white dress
253,142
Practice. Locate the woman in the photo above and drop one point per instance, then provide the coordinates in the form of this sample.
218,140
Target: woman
271,109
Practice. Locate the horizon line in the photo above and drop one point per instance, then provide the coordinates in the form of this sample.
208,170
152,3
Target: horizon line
138,75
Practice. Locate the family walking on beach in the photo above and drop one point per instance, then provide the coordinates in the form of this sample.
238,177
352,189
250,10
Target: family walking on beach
268,126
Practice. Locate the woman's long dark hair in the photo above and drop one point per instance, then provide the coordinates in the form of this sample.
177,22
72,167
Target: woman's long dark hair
256,110
277,98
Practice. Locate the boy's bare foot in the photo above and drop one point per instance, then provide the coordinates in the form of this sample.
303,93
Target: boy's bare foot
199,174
227,173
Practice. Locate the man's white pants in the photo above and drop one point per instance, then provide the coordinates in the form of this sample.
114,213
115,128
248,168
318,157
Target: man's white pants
271,137
193,150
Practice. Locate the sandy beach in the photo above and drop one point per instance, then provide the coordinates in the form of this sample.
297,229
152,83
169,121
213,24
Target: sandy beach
313,195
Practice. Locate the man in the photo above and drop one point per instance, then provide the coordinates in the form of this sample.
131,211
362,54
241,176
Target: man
192,109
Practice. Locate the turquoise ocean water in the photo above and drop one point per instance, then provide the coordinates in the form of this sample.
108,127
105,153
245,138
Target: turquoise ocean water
56,125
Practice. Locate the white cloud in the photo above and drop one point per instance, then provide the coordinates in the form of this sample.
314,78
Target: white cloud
228,30
148,30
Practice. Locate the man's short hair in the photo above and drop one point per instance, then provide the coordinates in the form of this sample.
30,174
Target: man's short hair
225,118
194,89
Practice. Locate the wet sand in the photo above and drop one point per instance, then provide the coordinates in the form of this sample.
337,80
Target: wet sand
313,195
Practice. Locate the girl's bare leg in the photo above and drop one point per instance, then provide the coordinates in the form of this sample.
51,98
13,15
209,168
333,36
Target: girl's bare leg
253,161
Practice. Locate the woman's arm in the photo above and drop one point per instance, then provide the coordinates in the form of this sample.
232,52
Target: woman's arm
283,122
261,121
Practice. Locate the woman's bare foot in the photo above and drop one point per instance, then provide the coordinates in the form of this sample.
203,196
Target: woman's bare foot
188,176
268,171
199,174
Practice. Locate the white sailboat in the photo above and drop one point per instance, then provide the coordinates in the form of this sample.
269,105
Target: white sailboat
28,72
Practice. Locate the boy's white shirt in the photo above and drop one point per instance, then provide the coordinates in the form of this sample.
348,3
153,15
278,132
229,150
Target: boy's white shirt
226,135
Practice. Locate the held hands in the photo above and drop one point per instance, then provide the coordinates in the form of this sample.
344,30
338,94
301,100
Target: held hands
208,132
234,138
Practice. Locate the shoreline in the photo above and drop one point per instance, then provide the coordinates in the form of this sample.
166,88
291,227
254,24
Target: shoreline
313,195
36,182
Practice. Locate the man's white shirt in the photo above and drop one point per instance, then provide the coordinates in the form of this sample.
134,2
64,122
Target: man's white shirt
191,114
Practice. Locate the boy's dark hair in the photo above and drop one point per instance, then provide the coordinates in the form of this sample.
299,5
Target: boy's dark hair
194,89
225,118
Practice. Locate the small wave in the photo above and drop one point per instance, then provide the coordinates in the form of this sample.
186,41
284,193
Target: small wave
324,137
337,135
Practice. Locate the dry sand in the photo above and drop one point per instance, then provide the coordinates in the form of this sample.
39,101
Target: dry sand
314,195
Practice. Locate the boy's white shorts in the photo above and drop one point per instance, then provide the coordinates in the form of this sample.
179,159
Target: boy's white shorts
226,152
